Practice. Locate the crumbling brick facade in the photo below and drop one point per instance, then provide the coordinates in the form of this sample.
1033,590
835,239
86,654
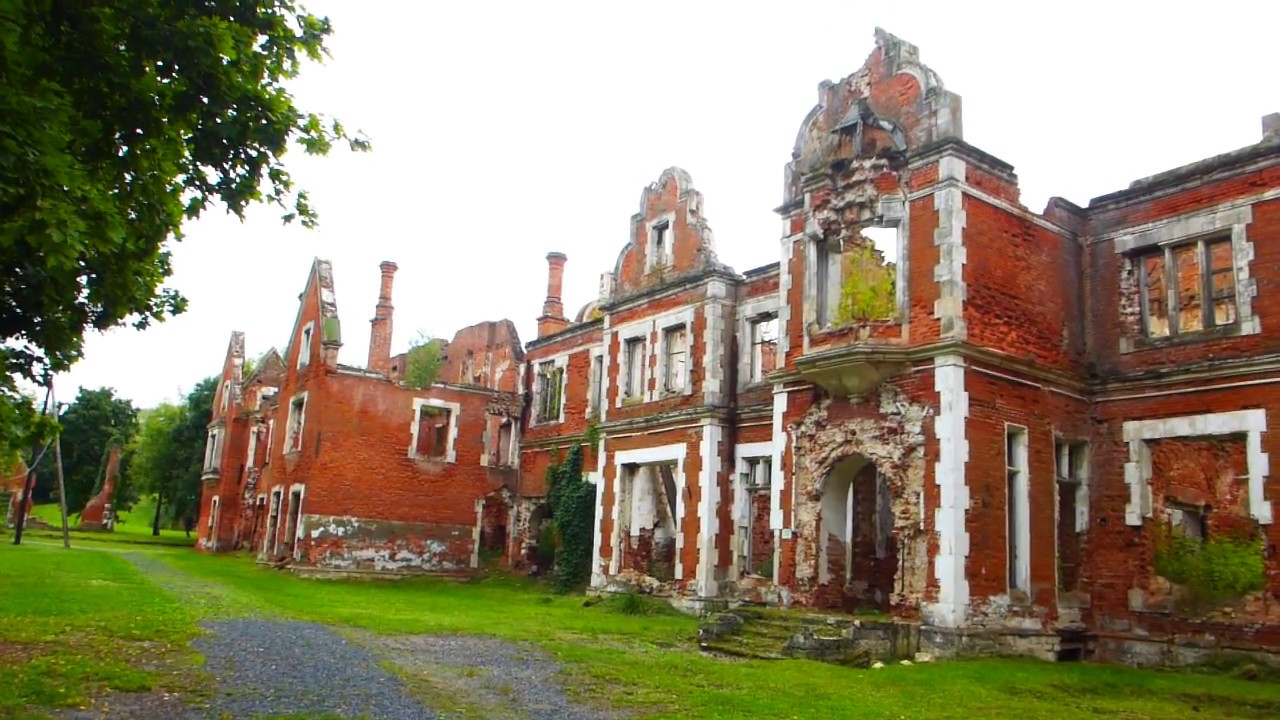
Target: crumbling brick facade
938,402
345,469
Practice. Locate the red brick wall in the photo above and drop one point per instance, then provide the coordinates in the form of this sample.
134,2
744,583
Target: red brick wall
1121,556
1108,321
685,240
923,256
1023,292
993,403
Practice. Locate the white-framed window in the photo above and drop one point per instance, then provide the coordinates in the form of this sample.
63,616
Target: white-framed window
252,455
506,436
213,450
297,420
304,344
822,282
764,346
213,511
1072,485
1018,511
549,391
435,430
675,355
1187,286
271,438
633,377
759,472
661,242
595,397
226,394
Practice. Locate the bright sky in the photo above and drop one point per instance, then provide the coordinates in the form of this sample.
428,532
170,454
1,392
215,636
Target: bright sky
502,131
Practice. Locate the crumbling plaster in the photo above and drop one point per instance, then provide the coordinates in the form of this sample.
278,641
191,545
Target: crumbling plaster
893,440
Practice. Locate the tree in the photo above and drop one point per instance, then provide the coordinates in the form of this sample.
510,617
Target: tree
118,122
95,420
422,364
167,457
154,460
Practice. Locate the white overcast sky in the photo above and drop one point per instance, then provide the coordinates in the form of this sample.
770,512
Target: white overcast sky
502,131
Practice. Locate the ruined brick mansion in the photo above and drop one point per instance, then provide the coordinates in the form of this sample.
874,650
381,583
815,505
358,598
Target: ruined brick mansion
938,403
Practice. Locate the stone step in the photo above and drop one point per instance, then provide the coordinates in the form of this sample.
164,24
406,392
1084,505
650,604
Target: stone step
744,647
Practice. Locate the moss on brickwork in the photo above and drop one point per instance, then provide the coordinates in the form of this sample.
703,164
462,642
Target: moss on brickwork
332,330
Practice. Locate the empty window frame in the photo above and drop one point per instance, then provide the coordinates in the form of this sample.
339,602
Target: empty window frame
1072,493
660,244
213,450
226,394
297,419
764,346
505,430
822,279
550,384
1018,515
1187,287
675,348
433,432
597,386
304,346
759,472
633,379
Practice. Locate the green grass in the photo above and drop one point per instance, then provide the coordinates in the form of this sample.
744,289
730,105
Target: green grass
617,652
132,526
74,622
649,661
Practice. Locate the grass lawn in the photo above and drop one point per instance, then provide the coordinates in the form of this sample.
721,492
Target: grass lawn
649,662
132,526
72,622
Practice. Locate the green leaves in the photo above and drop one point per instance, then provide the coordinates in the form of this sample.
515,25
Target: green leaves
572,501
118,121
426,354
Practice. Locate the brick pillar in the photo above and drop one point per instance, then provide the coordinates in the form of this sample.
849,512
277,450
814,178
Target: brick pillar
380,334
553,319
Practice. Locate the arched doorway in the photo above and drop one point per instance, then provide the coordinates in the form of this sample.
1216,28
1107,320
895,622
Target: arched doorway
857,554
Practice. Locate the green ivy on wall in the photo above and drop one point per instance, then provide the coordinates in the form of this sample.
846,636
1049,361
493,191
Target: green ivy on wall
572,501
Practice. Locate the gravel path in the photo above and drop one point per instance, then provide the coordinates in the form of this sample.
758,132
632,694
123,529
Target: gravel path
497,679
263,665
271,667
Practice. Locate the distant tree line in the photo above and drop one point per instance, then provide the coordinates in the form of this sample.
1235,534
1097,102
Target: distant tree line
162,459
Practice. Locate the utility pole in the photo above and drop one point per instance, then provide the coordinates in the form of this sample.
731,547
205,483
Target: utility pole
28,485
62,486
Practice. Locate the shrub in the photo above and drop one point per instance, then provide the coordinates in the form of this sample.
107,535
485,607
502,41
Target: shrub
868,290
1213,571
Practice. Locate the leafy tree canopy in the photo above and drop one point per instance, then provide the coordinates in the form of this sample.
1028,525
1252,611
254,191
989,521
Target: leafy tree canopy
118,121
426,355
95,420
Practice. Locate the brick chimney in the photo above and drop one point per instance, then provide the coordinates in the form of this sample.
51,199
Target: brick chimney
380,334
553,319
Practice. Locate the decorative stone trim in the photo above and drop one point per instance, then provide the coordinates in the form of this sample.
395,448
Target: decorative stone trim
1137,471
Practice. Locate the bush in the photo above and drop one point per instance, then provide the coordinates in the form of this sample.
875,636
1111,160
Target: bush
1214,571
633,603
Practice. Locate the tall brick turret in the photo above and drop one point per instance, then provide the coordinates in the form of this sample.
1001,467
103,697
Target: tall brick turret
380,334
553,319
